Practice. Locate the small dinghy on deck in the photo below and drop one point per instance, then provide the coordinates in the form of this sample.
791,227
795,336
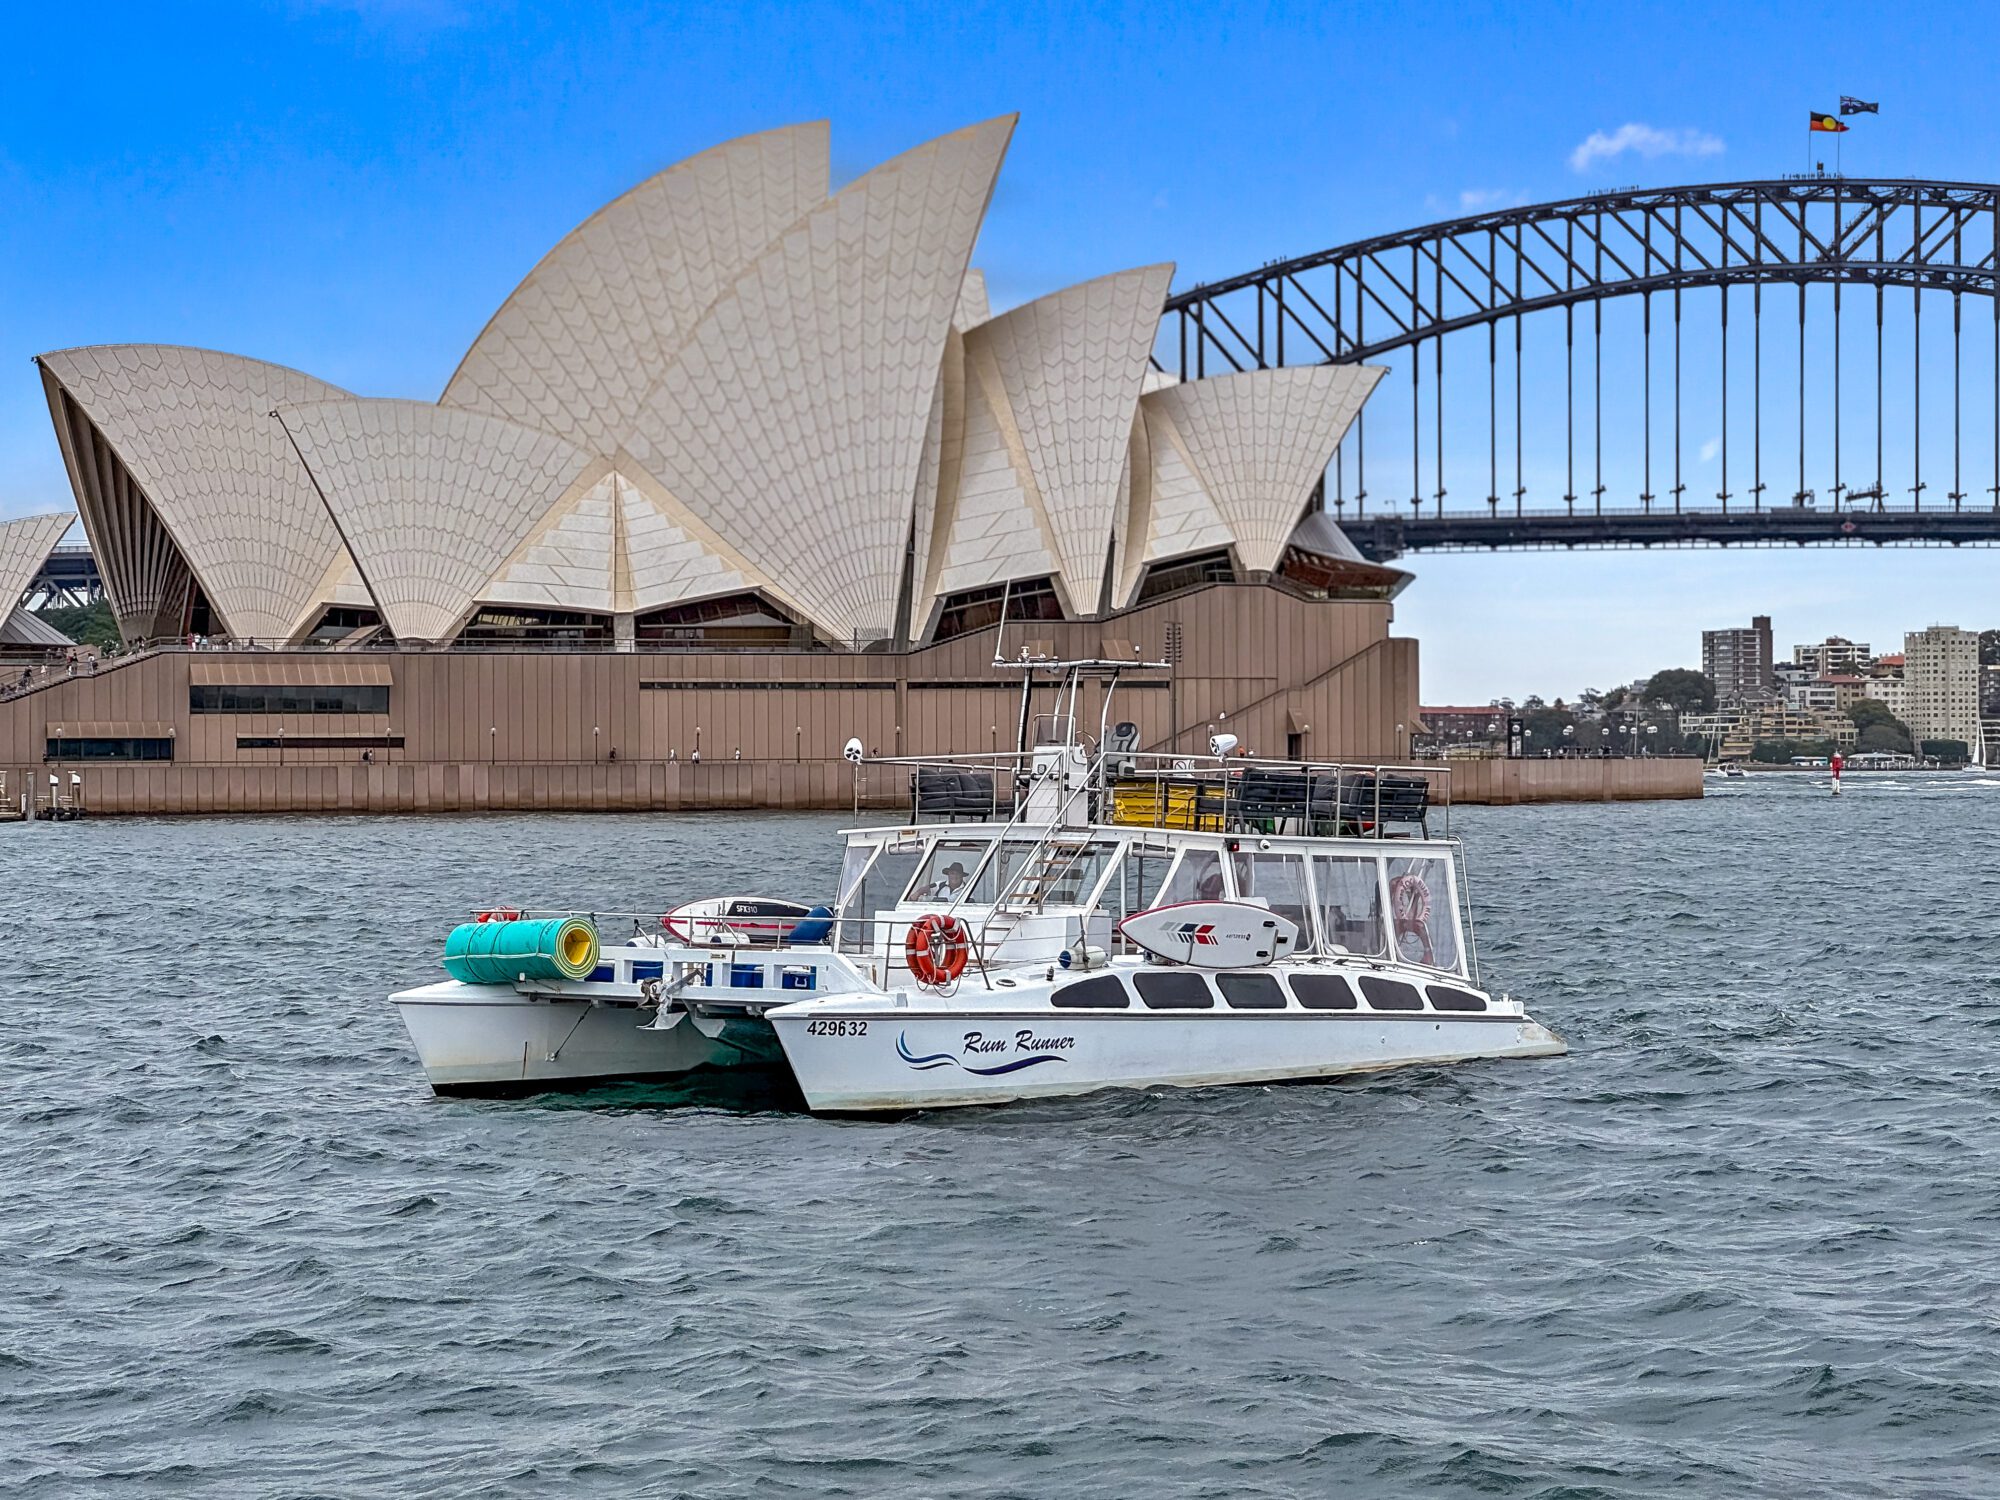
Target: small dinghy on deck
1115,920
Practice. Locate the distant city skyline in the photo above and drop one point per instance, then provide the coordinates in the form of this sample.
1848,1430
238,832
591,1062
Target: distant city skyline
1566,622
347,186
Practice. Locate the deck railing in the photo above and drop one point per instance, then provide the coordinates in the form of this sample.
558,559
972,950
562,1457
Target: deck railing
1211,794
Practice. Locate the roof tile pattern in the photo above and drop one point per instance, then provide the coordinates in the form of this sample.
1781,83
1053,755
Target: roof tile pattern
569,560
25,544
432,501
1259,441
590,330
1071,366
194,428
972,308
1182,516
665,561
995,533
793,421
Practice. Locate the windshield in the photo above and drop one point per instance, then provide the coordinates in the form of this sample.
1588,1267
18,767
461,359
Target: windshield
1055,874
879,887
1348,889
1422,911
953,874
1198,877
1280,880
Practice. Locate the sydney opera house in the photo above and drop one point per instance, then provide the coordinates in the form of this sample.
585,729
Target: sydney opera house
743,466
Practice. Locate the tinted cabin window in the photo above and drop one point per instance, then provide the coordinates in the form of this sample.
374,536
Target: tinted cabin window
1251,991
1174,989
1105,992
1443,997
1390,994
1323,991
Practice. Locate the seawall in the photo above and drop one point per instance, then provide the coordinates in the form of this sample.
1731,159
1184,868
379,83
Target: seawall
679,786
1508,782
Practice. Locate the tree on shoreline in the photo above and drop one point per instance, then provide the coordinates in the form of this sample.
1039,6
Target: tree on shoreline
1687,690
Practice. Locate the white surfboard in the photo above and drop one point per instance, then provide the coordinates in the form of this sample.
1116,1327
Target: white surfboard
1212,934
734,919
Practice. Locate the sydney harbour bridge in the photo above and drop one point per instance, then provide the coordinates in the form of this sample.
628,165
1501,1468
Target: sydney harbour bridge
1804,360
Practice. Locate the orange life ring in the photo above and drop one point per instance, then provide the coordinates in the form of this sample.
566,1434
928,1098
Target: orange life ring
936,949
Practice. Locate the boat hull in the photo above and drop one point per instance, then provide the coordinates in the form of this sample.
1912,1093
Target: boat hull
487,1039
919,1061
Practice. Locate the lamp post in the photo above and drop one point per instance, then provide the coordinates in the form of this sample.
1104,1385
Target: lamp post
595,731
492,742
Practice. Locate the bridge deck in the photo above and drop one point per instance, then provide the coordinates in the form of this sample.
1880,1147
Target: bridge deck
1381,538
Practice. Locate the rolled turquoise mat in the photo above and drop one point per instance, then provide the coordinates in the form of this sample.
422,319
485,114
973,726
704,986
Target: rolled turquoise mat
503,952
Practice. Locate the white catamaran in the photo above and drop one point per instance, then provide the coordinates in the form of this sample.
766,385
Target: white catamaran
1073,916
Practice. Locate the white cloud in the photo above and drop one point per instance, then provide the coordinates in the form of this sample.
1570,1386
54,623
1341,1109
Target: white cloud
1709,449
1472,200
1646,141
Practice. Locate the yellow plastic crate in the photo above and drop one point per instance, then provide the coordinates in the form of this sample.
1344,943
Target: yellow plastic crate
1162,804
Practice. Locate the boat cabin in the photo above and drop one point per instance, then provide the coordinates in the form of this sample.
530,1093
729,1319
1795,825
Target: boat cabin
1029,894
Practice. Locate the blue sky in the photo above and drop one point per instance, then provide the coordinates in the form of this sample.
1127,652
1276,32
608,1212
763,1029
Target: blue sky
352,186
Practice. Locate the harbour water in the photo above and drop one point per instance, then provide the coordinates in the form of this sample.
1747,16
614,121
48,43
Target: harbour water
1741,1241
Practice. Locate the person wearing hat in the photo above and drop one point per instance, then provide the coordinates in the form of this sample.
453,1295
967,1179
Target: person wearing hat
950,884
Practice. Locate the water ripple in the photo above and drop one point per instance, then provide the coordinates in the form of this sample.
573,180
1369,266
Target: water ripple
1739,1242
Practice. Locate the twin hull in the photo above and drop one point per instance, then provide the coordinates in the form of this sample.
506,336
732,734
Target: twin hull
489,1039
874,1054
888,1060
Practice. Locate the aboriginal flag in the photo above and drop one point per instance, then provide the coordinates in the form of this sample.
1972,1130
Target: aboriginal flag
1829,123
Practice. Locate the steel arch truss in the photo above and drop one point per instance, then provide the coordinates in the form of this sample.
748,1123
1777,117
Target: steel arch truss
1425,283
1400,297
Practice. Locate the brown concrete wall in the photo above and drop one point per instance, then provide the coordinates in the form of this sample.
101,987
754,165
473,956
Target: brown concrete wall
632,786
1506,782
536,729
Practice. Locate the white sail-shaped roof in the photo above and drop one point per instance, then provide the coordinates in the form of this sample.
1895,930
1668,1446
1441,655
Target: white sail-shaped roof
1258,442
973,307
433,502
593,327
1173,514
25,544
994,526
1070,368
793,422
192,429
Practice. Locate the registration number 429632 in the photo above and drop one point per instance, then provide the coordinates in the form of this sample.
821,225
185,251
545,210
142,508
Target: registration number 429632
836,1028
